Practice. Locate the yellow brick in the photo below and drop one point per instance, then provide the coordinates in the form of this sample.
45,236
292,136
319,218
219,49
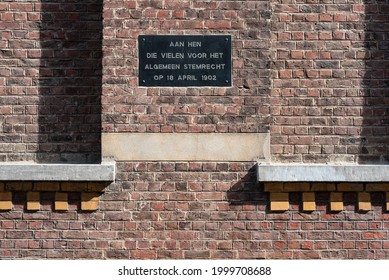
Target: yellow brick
61,202
279,196
5,196
274,187
74,186
96,187
33,206
19,186
33,201
279,201
5,201
336,201
46,186
309,203
364,203
349,187
323,187
377,187
90,201
1,187
296,187
33,196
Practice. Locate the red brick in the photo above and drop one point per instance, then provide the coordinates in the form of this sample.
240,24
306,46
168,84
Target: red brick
374,235
144,254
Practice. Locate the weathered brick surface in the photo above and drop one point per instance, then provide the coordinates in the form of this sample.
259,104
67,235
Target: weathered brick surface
242,108
153,218
50,80
329,92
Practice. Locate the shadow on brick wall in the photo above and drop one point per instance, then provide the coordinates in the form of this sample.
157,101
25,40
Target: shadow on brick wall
247,191
374,143
70,81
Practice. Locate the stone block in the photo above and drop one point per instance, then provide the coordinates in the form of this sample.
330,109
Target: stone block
57,172
186,146
322,173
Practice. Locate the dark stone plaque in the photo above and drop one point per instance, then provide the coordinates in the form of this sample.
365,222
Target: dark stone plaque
185,60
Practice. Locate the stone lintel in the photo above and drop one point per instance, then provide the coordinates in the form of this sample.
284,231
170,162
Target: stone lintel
322,173
57,172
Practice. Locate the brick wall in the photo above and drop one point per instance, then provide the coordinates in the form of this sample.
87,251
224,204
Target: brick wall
330,81
50,80
306,71
191,210
242,108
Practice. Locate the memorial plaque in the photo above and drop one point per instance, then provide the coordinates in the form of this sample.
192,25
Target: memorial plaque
185,60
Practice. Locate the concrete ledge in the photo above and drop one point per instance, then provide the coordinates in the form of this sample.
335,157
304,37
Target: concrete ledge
57,172
322,173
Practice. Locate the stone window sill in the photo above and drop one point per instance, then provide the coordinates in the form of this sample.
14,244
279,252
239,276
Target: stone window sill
321,173
57,172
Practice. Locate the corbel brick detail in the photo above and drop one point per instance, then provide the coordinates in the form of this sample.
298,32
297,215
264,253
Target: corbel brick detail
274,187
53,186
325,187
5,201
349,187
364,203
296,187
61,201
309,203
336,201
279,201
89,194
90,201
280,190
47,186
33,201
377,187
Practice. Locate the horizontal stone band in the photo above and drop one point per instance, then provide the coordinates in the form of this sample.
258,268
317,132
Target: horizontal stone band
186,146
57,172
322,173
